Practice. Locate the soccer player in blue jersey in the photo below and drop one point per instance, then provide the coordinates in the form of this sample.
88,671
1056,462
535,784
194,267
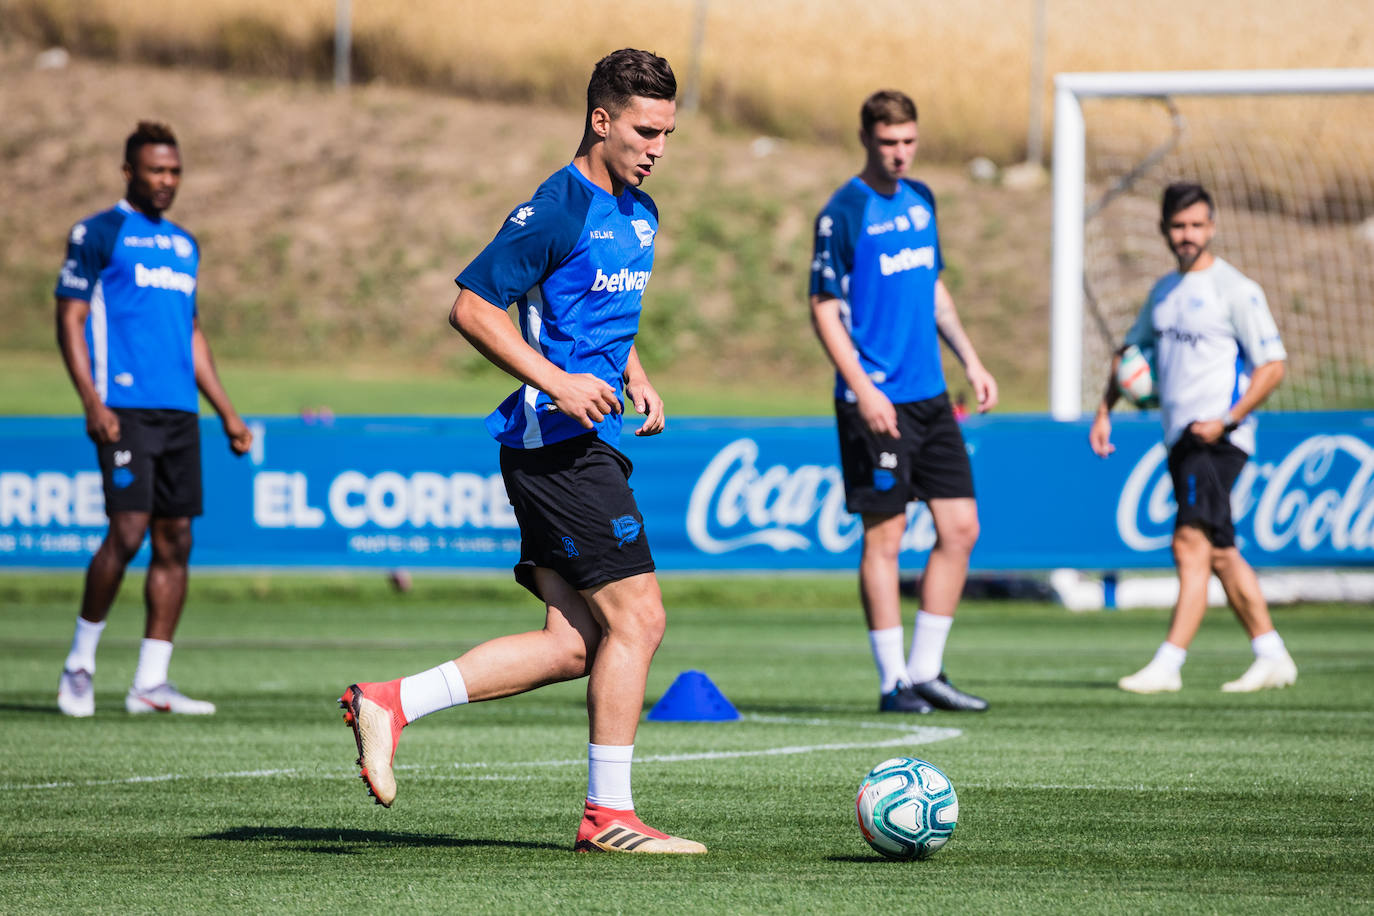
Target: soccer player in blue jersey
573,261
129,333
1218,356
880,309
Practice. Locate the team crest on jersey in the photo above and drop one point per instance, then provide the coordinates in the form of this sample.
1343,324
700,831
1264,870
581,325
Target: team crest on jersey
182,246
522,215
920,216
644,231
626,529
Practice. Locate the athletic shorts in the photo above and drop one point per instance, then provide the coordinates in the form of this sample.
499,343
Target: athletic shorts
576,511
1203,475
155,465
882,474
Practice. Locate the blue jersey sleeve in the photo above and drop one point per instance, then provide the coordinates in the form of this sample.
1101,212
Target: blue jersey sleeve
90,246
833,251
534,239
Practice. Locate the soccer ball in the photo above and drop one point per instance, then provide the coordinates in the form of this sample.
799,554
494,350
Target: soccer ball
1135,377
907,808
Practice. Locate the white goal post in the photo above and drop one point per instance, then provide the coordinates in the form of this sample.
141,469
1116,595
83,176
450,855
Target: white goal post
1070,178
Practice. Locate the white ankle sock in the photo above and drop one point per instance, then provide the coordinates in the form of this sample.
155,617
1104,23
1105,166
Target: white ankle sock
432,690
84,641
887,655
1269,645
928,646
1170,656
154,657
608,775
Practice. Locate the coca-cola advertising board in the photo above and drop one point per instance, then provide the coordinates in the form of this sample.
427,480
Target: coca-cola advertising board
716,494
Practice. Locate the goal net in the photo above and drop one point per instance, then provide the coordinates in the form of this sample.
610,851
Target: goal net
1289,159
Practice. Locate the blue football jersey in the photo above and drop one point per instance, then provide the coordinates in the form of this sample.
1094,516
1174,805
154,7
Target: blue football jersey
139,276
574,261
880,257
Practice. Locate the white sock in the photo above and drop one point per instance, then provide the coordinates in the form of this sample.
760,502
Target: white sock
1269,645
608,775
154,656
432,690
887,655
84,640
1170,656
927,658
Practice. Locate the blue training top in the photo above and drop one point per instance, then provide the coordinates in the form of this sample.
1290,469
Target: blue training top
139,276
574,261
880,257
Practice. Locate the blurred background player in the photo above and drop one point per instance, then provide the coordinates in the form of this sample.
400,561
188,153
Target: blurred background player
127,326
1217,356
880,309
574,260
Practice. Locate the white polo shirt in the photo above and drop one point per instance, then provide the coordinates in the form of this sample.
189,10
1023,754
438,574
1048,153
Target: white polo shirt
1206,331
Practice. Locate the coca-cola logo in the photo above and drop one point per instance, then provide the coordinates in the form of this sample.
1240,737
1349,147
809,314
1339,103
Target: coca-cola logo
1320,494
736,503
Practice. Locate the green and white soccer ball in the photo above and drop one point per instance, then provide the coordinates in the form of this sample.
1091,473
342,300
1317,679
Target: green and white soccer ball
1135,377
907,808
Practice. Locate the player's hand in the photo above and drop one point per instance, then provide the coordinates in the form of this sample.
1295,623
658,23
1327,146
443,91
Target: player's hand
1100,436
877,411
1208,431
647,402
240,436
585,398
984,387
102,425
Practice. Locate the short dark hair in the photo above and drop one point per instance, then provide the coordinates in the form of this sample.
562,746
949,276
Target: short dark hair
887,106
1180,196
622,74
148,133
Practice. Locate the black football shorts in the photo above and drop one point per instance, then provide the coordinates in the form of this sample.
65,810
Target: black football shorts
576,511
882,474
155,465
1203,476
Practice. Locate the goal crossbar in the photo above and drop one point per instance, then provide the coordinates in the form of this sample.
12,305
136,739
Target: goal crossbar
1066,305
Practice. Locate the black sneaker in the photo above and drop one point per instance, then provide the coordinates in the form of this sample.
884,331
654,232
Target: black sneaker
941,694
903,699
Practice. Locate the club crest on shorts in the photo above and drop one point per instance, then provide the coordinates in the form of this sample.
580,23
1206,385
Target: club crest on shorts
626,529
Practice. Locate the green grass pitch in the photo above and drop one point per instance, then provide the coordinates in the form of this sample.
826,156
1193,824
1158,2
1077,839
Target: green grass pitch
1074,797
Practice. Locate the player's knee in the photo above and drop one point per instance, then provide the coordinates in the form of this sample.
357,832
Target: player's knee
172,544
123,541
642,627
574,657
961,534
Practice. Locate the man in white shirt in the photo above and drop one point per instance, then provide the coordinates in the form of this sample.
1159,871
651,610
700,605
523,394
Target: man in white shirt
1216,350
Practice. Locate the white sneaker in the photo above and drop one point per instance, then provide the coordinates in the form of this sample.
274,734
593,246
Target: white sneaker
165,698
1152,678
75,695
1263,674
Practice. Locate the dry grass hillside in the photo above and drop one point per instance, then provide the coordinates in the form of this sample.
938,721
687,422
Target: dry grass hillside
333,223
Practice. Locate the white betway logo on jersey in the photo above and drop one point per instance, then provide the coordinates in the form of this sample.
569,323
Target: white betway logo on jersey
907,259
164,278
621,280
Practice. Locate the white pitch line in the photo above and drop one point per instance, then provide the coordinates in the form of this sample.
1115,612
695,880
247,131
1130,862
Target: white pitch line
910,734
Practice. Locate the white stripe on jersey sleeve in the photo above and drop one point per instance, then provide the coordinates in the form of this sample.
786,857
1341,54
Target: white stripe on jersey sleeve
100,343
534,327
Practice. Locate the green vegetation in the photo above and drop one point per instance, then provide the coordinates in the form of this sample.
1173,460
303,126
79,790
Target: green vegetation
1074,797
